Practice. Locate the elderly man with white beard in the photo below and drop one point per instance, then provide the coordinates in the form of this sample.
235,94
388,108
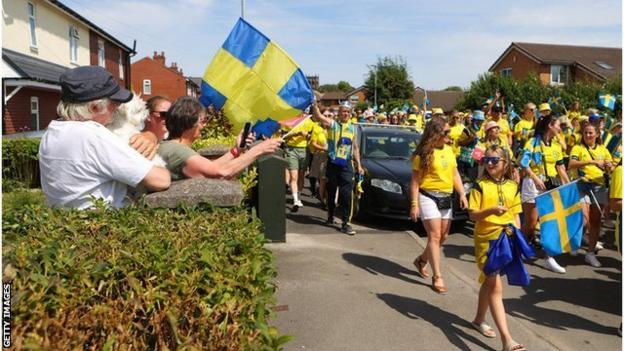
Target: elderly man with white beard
79,159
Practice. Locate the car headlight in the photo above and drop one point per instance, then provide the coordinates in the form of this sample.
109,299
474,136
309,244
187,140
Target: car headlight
386,185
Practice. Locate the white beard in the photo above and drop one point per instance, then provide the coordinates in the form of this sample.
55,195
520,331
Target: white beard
129,120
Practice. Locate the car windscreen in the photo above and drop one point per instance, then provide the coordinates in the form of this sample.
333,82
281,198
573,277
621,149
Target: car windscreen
389,144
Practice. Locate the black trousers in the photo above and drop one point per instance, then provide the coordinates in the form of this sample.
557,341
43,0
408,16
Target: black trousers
340,179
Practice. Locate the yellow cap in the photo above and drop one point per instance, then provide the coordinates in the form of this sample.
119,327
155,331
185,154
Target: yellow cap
412,117
437,110
544,106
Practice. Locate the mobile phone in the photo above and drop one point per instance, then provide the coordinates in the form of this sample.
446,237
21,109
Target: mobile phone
246,131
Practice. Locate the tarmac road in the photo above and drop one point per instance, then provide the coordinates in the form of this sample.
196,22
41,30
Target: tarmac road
339,292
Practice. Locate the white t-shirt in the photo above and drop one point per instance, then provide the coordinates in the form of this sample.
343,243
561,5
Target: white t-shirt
81,160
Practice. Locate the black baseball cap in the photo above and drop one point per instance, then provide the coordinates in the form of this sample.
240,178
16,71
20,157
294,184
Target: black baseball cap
88,83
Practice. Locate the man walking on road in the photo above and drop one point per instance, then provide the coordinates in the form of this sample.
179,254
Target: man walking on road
342,152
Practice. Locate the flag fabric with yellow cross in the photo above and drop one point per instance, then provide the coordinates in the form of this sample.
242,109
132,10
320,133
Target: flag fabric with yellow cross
607,100
561,219
252,78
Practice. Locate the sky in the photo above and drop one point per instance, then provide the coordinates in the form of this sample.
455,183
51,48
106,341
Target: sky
445,43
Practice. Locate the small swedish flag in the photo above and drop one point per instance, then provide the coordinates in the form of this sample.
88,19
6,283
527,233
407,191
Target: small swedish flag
607,100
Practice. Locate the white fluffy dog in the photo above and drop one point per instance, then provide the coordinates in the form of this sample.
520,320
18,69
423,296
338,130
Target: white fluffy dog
128,120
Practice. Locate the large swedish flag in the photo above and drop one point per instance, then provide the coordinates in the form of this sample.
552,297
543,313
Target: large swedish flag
561,219
252,78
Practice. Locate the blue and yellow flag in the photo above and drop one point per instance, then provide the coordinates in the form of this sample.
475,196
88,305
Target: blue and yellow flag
252,78
561,219
607,100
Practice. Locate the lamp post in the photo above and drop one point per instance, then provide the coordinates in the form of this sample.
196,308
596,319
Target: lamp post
242,8
375,87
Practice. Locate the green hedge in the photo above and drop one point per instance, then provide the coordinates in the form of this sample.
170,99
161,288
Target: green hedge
519,92
20,163
137,278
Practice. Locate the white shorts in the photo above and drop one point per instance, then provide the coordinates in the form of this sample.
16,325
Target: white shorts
429,209
529,191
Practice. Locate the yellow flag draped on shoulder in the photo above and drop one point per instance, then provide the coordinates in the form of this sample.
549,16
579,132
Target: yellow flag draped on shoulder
252,78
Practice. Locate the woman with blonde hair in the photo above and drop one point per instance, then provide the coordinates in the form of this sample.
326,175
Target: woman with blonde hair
434,176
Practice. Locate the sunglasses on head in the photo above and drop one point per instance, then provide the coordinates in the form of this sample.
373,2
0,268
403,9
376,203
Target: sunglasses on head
490,159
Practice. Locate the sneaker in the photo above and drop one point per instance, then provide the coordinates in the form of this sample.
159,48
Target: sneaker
599,246
553,266
347,230
590,258
298,203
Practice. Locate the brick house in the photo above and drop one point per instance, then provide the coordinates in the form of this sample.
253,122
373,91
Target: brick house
40,40
332,99
151,76
559,64
444,99
357,95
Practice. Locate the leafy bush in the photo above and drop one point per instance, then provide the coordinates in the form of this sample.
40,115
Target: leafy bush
519,92
227,140
20,163
138,278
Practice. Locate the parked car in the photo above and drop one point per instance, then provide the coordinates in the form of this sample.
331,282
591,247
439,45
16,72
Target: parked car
386,156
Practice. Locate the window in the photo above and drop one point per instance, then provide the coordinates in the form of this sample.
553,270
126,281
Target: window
558,74
505,72
34,113
147,87
101,54
603,65
32,23
121,65
73,44
354,98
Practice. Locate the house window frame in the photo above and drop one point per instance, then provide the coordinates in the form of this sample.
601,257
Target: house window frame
121,65
354,98
101,53
32,24
74,38
506,72
559,81
34,111
147,87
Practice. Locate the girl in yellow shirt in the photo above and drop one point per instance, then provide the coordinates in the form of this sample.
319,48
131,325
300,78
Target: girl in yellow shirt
593,162
494,205
434,176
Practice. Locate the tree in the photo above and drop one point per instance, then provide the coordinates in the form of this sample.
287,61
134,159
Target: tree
394,85
328,87
454,88
344,86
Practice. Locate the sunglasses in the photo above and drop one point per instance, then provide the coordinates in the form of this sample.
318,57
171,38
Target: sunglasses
161,114
491,160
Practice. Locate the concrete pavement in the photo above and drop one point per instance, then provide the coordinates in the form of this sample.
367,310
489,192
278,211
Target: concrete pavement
337,292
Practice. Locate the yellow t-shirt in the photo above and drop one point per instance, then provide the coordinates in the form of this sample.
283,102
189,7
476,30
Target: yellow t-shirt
552,154
488,194
319,136
615,186
300,140
592,172
524,127
455,132
439,177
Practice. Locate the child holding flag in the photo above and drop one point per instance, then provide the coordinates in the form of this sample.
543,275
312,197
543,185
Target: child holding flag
494,205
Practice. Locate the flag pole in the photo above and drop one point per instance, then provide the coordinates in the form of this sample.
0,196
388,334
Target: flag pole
242,8
295,126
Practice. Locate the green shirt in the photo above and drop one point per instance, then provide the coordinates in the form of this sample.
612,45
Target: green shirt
175,156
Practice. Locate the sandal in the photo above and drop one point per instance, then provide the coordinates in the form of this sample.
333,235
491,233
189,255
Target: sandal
440,289
514,346
421,265
484,329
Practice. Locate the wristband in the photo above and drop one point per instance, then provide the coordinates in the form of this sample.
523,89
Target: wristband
234,152
414,203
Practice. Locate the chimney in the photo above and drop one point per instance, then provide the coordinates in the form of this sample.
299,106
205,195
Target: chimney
174,66
160,58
